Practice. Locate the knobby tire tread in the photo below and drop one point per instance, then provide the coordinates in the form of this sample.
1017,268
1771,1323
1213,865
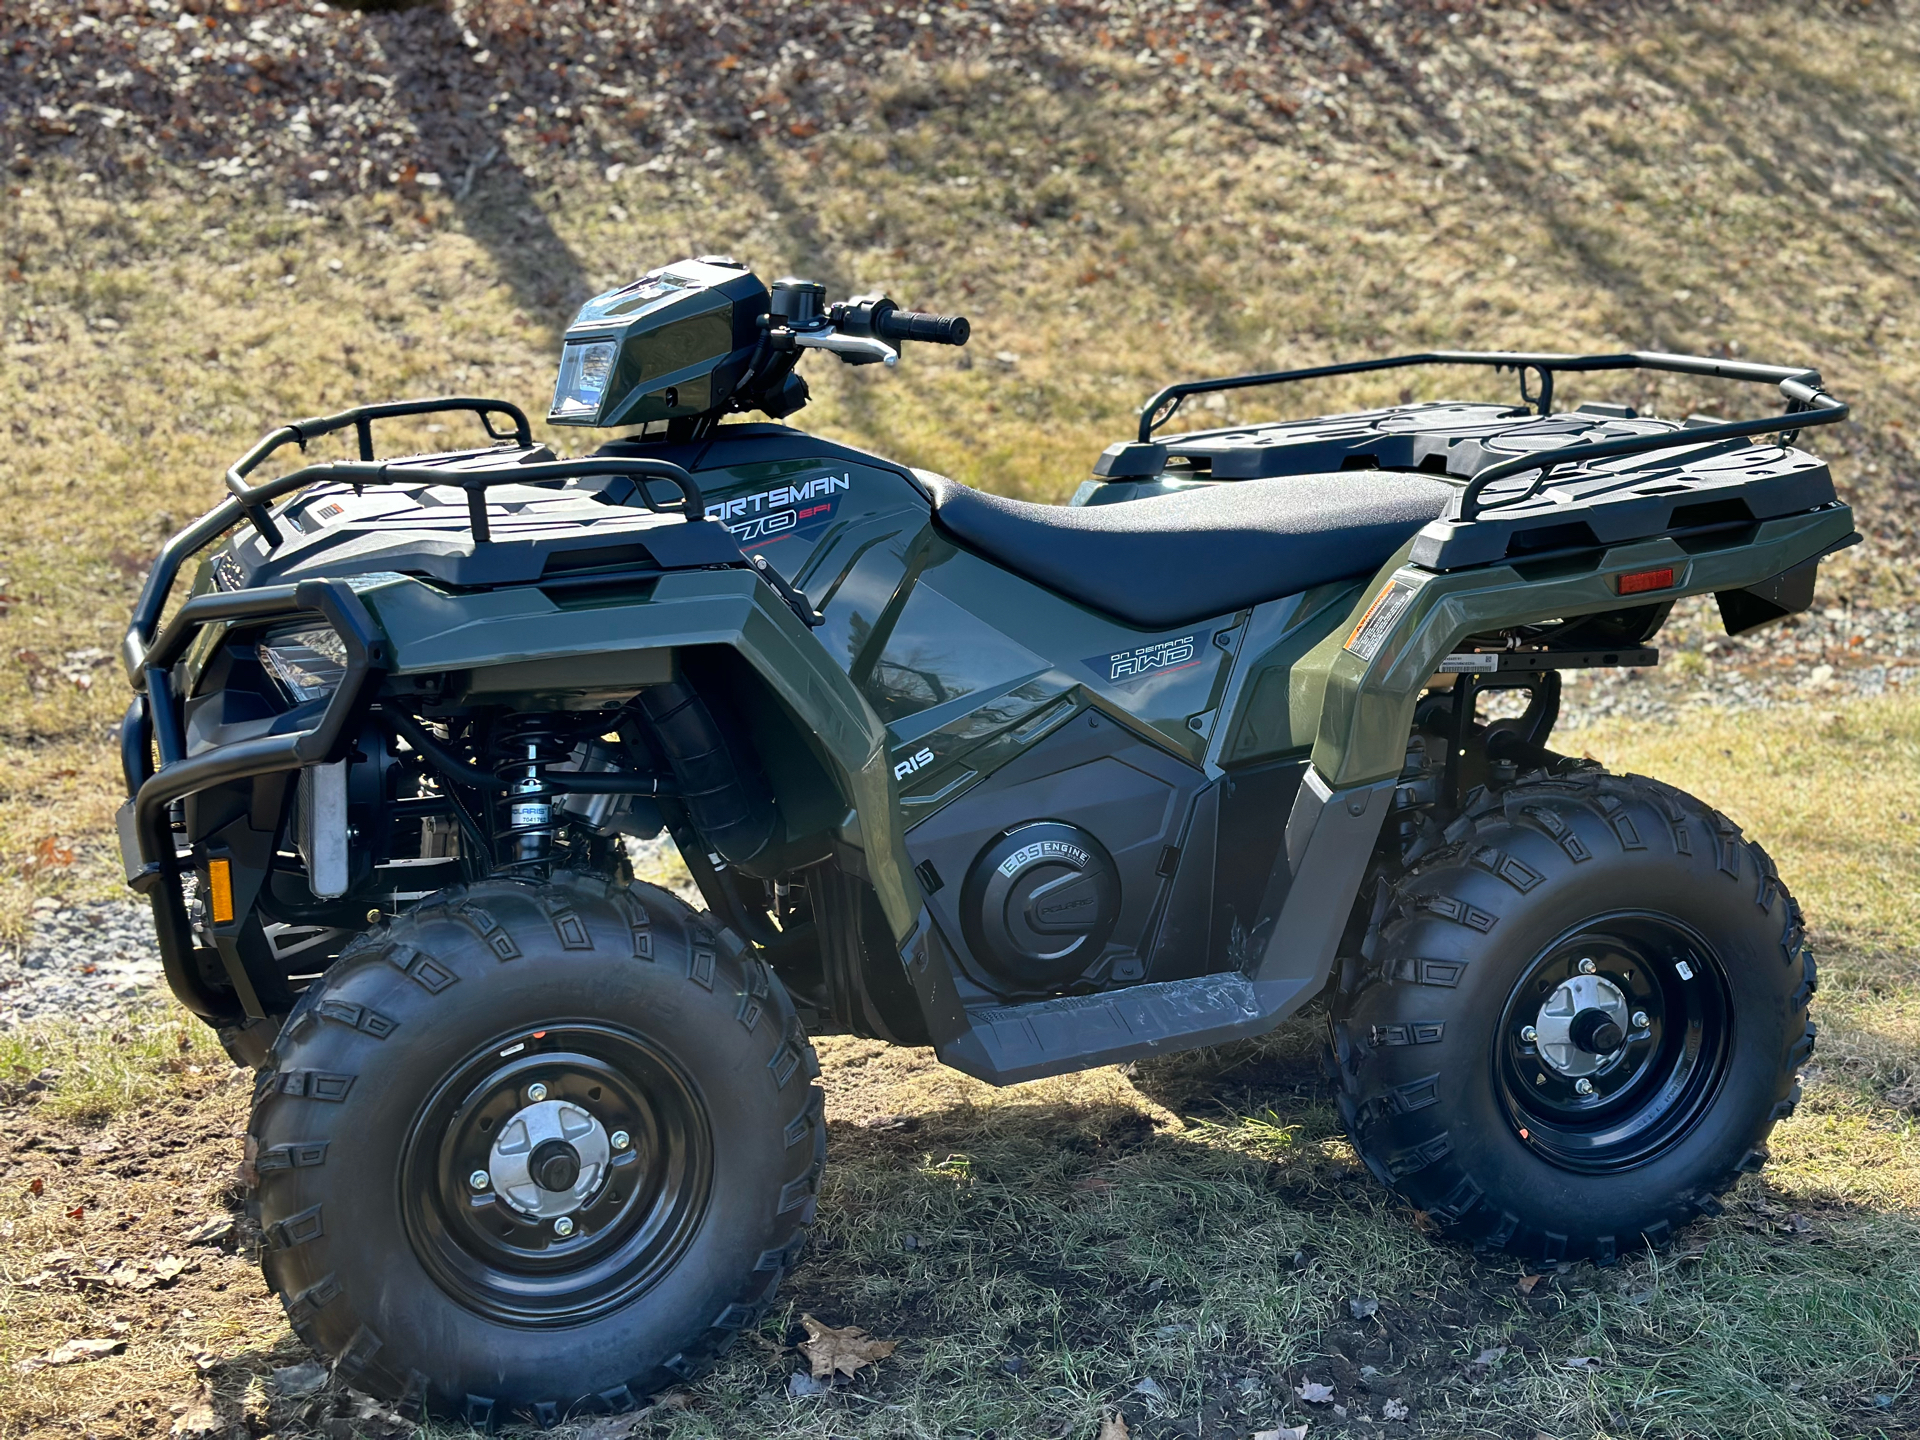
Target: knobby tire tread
1390,1005
725,974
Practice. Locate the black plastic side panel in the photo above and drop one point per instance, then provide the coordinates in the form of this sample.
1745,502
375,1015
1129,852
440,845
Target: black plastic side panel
1251,805
1180,949
1330,839
1131,796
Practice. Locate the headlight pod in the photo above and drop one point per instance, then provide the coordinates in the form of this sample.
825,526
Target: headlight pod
309,663
585,368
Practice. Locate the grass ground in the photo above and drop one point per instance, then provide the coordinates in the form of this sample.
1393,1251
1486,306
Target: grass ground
1674,177
1198,1222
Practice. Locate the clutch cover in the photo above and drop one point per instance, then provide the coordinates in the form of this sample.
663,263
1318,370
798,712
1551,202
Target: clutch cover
1039,904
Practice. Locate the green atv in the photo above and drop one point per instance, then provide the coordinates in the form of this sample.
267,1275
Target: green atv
1040,787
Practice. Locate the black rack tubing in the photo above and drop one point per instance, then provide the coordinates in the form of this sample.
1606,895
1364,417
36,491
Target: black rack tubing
361,418
1547,362
230,512
1468,505
1807,404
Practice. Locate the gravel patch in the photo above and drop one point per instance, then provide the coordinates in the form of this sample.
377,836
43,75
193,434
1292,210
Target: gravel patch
1831,653
88,961
94,960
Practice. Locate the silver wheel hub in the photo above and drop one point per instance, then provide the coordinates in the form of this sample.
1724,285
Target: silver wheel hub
1556,1031
541,1141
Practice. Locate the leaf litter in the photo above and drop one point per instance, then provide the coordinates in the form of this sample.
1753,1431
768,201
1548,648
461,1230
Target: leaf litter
843,1351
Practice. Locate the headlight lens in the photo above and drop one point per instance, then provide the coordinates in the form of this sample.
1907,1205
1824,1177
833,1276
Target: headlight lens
585,369
308,663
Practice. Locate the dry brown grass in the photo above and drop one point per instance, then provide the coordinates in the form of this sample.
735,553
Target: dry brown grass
1696,179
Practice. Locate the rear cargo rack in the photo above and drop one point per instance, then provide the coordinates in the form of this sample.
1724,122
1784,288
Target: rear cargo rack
1807,404
251,502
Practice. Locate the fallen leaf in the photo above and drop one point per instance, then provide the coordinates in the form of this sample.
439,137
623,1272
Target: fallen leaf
36,1186
841,1352
199,1420
1283,1432
1526,1283
48,854
79,1212
1114,1427
1313,1392
74,1352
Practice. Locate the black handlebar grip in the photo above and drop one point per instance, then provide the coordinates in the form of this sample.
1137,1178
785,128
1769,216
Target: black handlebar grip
918,325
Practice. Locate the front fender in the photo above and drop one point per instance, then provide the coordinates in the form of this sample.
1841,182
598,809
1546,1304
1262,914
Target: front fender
519,646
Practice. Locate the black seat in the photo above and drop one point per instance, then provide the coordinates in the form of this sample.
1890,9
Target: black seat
1169,559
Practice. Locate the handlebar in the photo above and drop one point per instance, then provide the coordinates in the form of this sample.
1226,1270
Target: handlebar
879,317
920,325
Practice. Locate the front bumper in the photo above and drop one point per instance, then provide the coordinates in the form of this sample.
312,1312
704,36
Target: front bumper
149,853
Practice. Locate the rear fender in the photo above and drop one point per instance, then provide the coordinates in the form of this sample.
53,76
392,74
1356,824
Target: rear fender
1367,692
520,648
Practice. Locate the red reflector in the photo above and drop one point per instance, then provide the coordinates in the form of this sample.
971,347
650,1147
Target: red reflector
1642,581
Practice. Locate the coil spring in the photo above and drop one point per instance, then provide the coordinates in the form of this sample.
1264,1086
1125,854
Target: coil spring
526,745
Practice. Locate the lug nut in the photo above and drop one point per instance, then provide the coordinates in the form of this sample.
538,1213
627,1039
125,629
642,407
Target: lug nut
1640,1020
1587,967
1583,1086
620,1139
479,1180
1529,1034
563,1227
536,1092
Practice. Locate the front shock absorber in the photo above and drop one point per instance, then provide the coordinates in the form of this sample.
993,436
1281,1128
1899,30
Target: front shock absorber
526,745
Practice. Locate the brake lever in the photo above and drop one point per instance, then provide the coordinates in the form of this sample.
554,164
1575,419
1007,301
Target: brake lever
854,349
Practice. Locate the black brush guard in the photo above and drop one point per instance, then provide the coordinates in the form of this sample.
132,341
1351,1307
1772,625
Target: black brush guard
155,723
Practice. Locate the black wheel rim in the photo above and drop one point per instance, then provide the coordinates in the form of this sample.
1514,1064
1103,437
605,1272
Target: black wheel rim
1585,1103
628,1228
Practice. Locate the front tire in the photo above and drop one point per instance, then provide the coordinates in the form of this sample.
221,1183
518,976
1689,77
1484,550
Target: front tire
535,1150
1574,1025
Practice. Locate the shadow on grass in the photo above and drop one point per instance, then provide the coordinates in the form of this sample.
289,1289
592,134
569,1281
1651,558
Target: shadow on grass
1027,1250
464,139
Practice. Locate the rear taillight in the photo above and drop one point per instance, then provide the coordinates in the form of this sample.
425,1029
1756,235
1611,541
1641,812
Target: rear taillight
1641,581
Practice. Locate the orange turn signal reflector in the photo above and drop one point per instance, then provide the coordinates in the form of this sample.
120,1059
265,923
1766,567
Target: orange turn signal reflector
220,891
1641,581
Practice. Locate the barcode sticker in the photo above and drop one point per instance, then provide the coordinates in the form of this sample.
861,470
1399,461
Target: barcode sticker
1385,612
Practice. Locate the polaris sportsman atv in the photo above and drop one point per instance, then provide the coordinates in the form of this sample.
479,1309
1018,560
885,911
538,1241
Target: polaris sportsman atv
1040,787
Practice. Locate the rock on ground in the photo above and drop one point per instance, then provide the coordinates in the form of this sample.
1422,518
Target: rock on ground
93,959
85,961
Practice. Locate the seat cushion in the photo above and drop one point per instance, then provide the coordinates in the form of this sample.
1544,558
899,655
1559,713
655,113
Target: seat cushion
1170,559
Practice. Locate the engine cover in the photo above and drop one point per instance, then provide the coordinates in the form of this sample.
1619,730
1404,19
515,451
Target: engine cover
1039,904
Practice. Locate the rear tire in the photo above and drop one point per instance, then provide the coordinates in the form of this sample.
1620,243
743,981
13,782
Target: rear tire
674,1189
1477,1074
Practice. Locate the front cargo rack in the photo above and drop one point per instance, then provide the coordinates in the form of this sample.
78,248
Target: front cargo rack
1807,404
472,474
